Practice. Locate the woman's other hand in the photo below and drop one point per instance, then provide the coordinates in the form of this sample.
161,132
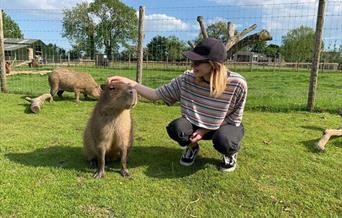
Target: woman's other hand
198,135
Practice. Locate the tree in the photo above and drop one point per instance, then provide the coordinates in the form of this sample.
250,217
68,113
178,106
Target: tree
157,48
298,44
216,30
175,48
162,48
128,53
117,24
11,28
259,47
272,51
332,55
79,27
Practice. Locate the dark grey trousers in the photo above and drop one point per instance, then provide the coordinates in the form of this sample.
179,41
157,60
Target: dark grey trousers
226,139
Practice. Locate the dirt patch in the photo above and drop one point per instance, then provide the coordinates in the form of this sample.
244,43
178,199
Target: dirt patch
28,72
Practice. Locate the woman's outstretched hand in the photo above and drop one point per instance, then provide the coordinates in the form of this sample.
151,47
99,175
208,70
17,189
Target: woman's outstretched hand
120,79
142,90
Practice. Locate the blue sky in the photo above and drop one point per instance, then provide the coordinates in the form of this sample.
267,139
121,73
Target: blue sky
41,19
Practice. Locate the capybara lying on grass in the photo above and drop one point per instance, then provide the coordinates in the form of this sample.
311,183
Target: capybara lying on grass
109,132
62,79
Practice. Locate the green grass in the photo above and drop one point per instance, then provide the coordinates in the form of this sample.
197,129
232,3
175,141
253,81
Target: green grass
279,91
280,173
43,172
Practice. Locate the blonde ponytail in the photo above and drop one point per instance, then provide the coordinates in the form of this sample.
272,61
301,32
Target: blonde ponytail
218,78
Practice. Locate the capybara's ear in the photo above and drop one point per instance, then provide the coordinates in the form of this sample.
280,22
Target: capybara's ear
103,86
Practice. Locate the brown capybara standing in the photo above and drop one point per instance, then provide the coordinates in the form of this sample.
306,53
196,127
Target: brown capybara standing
62,79
109,132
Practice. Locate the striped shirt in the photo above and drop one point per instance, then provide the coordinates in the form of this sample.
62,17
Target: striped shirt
201,109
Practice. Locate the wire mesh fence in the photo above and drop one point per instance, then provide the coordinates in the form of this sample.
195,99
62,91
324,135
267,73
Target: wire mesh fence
102,41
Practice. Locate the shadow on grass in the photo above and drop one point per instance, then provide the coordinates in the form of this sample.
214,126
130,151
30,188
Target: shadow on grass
56,156
311,144
161,162
316,128
68,98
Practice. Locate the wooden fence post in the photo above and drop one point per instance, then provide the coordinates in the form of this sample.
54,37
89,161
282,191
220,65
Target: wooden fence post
140,50
316,56
2,56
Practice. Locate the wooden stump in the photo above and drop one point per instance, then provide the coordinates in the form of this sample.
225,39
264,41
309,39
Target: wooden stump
36,103
326,136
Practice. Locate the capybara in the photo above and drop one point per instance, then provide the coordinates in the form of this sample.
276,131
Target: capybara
109,132
62,79
8,67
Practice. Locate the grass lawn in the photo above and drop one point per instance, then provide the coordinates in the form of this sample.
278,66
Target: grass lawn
279,91
279,172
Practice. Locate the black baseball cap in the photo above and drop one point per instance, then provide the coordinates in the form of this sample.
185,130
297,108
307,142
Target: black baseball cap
208,49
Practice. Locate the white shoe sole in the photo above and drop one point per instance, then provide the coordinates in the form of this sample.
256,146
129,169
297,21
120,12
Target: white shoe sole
186,164
229,169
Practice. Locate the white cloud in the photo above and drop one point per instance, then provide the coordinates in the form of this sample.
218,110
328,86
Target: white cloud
280,16
40,4
264,2
163,22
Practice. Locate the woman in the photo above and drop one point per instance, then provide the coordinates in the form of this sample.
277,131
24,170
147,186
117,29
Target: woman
212,103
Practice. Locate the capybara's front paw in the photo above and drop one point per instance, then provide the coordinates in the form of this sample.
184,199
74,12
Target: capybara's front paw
125,173
99,174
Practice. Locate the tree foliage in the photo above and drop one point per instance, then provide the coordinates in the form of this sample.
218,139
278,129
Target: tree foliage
79,28
117,24
162,48
11,28
332,54
259,47
105,25
298,44
216,30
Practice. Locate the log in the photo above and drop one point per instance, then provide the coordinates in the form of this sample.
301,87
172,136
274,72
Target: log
326,136
235,41
36,103
231,30
202,25
191,44
257,37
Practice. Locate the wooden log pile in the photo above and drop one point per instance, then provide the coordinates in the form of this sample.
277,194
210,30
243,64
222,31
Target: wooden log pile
236,41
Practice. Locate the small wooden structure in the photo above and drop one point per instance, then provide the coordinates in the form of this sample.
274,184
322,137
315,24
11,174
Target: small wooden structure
327,134
36,103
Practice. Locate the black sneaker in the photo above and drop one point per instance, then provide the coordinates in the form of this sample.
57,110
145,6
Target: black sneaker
228,163
189,155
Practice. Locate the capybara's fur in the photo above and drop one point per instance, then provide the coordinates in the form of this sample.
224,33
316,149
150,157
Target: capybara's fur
109,132
8,67
62,79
